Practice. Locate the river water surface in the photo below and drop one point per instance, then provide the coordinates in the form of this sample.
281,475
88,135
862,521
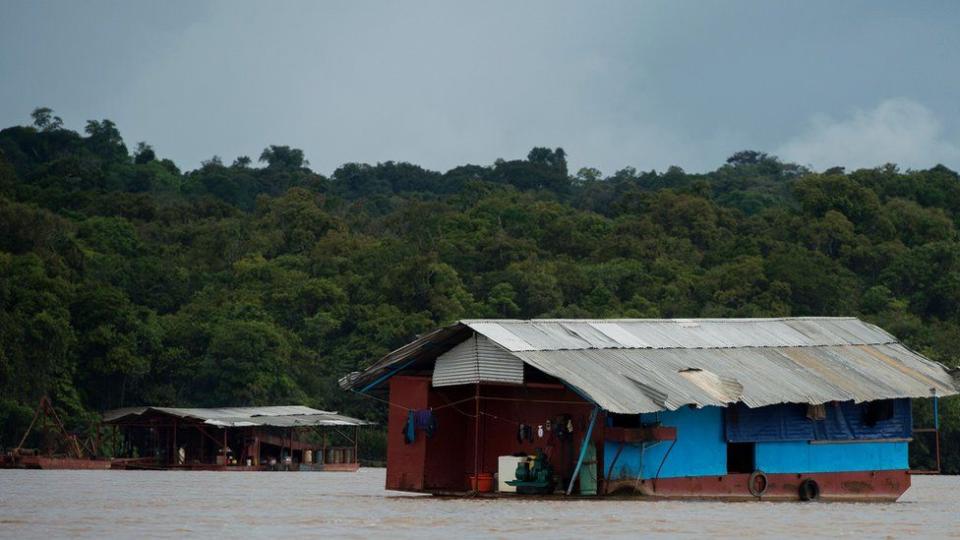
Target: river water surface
141,504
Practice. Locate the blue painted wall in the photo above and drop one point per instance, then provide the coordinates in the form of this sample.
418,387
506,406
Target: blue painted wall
803,457
700,449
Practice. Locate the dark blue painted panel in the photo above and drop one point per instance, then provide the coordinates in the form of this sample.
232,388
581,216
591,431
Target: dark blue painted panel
843,421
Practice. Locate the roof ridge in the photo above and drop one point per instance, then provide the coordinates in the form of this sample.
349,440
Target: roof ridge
713,348
677,319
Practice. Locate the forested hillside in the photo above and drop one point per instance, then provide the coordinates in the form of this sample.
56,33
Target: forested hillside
125,280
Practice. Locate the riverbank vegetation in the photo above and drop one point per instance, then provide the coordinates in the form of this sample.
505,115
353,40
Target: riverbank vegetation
125,280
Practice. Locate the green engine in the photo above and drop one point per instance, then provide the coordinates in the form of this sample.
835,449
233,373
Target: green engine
535,478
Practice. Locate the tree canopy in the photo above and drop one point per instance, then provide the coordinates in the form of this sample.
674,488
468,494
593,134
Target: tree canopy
125,281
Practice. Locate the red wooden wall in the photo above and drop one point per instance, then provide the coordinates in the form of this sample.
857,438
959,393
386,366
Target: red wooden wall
443,462
405,462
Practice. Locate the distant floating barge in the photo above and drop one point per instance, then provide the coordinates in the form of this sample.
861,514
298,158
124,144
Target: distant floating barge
729,409
75,456
234,439
33,461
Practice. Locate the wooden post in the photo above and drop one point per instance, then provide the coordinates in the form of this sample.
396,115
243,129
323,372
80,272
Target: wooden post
356,444
256,441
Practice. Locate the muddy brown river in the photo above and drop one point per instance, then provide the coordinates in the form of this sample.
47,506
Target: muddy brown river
140,504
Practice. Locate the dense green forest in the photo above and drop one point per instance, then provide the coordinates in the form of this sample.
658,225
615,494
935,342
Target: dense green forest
125,280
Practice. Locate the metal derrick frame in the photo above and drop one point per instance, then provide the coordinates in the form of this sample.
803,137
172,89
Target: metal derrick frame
46,406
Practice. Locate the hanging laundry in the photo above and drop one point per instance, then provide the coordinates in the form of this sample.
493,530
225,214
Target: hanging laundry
409,429
540,431
425,420
525,433
560,427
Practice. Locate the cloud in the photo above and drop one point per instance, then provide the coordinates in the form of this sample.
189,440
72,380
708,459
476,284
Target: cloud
899,131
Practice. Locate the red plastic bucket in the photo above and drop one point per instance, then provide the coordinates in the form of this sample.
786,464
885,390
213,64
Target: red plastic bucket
481,482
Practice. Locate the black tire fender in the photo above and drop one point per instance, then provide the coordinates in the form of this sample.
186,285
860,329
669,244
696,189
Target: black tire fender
757,483
809,490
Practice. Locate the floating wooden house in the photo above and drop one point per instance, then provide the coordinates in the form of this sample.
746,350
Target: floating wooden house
234,438
788,408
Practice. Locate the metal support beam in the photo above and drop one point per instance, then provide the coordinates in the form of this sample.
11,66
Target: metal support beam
936,427
583,447
387,375
936,411
476,441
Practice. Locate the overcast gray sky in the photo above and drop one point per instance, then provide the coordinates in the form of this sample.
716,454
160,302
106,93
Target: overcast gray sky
644,84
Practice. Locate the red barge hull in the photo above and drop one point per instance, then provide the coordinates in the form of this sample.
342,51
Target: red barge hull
869,486
44,462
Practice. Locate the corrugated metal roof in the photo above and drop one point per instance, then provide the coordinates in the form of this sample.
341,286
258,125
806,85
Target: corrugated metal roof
573,334
766,376
279,416
646,365
477,359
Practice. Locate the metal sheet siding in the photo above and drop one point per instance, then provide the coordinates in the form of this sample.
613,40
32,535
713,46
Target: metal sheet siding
478,359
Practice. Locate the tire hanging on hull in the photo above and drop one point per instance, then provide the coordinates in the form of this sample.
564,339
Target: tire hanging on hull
809,490
757,483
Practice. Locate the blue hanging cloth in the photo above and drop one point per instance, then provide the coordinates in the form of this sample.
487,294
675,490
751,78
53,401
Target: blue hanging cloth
409,430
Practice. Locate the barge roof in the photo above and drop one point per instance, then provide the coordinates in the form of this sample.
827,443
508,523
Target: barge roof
276,416
648,365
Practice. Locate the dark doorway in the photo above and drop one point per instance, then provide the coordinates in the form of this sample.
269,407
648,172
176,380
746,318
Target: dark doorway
740,458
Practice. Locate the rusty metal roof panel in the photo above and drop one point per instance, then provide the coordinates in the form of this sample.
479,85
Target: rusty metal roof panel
300,420
240,412
283,415
765,376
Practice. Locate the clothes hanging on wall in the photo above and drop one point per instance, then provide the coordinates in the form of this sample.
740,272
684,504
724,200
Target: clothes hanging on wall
524,433
425,420
409,429
562,426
